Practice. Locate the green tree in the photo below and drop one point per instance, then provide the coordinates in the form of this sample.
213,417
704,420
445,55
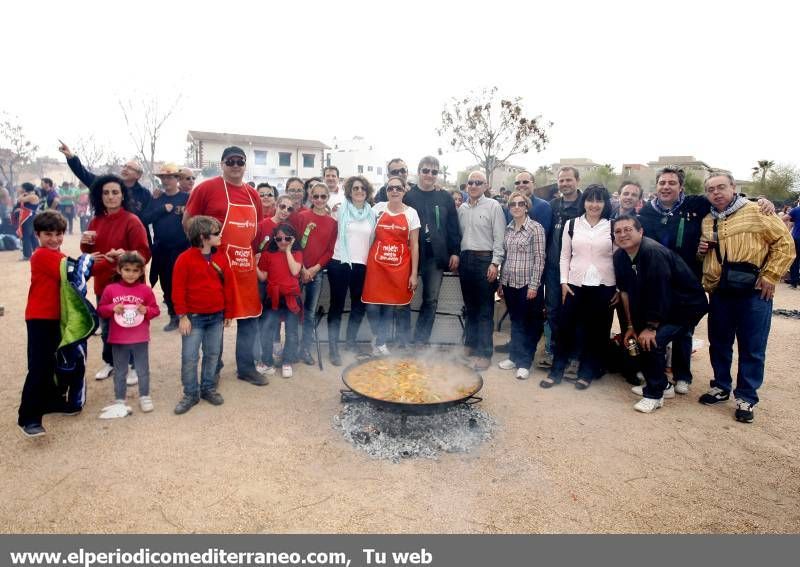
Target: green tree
603,175
491,128
781,184
761,171
543,176
445,172
693,184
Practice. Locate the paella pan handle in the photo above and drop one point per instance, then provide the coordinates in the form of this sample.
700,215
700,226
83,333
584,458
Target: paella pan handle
472,400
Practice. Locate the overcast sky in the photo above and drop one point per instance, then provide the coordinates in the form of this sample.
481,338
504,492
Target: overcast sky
622,81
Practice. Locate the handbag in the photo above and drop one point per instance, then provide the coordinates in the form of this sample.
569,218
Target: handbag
735,276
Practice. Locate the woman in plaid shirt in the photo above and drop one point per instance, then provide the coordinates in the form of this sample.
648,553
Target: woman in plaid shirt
521,280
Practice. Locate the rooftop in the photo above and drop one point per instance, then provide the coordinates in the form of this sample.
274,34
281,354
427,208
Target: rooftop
248,139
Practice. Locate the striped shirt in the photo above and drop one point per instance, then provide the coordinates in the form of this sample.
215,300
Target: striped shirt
748,236
525,250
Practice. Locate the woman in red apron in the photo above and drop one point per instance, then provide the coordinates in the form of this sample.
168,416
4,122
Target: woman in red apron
392,263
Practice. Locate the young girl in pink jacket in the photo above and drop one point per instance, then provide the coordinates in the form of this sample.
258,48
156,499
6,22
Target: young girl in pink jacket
129,304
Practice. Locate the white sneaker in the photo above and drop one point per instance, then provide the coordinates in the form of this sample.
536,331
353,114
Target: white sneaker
132,378
286,371
146,404
648,405
381,350
507,364
262,368
523,373
116,410
106,371
682,387
669,391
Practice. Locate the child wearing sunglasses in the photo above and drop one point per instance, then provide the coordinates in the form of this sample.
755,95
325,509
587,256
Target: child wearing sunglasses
279,265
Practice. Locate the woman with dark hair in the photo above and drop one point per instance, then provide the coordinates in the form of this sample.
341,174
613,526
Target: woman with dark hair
347,269
28,204
588,289
112,231
279,265
296,189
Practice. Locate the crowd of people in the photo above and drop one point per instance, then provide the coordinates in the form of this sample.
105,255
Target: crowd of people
230,250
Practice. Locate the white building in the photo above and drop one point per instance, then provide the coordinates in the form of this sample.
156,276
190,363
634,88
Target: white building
357,157
271,160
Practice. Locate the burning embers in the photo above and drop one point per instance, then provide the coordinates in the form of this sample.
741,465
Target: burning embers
386,433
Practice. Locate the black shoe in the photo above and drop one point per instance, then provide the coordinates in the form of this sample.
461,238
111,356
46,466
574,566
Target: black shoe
35,430
213,397
744,411
333,354
255,379
172,325
503,348
714,396
305,356
185,404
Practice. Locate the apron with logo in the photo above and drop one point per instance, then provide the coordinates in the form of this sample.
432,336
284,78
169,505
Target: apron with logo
238,233
389,263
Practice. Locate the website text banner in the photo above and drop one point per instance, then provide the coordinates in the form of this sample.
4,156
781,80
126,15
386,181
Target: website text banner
397,551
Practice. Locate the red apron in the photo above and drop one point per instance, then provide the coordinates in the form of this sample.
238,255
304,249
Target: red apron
238,233
389,263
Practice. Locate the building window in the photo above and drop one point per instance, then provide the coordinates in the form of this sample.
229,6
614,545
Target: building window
308,160
361,169
284,159
369,168
380,171
260,157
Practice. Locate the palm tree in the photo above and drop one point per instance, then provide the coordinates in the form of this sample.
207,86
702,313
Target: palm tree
762,169
445,173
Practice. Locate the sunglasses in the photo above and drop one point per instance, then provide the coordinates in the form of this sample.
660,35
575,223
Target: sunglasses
216,233
283,238
523,182
394,188
295,190
518,204
401,171
322,196
357,188
286,208
266,195
234,162
475,183
427,170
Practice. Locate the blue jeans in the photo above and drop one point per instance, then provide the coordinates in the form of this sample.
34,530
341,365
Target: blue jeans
653,362
206,333
552,301
246,334
794,270
478,295
29,241
526,323
430,277
747,318
380,320
274,317
311,292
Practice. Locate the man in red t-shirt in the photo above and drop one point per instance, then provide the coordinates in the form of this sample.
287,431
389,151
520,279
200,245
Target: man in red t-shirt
237,207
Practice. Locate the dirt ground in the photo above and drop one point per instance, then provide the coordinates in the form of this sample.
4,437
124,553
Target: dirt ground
270,461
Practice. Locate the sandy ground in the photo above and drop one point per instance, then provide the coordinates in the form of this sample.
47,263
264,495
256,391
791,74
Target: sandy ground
269,460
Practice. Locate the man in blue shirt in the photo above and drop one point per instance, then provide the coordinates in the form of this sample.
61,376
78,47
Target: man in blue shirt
794,271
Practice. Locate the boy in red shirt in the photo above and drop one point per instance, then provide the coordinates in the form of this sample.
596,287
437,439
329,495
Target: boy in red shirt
42,318
201,295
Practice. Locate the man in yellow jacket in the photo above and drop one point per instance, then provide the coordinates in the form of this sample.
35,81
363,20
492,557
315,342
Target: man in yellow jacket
745,253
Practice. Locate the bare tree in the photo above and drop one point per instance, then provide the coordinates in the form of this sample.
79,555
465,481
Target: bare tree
145,118
15,148
91,153
491,128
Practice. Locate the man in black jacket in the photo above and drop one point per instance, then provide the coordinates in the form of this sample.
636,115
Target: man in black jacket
138,195
439,241
662,301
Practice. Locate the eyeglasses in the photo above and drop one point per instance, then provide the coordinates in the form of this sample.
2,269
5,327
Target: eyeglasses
234,162
286,208
625,230
427,170
323,196
523,182
394,188
522,204
717,188
475,183
295,190
132,168
400,171
283,238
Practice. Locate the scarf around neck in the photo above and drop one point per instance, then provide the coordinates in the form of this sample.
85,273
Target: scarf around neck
737,203
350,213
668,211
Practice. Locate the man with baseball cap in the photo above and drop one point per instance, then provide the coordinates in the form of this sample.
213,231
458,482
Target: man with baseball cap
237,207
165,213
